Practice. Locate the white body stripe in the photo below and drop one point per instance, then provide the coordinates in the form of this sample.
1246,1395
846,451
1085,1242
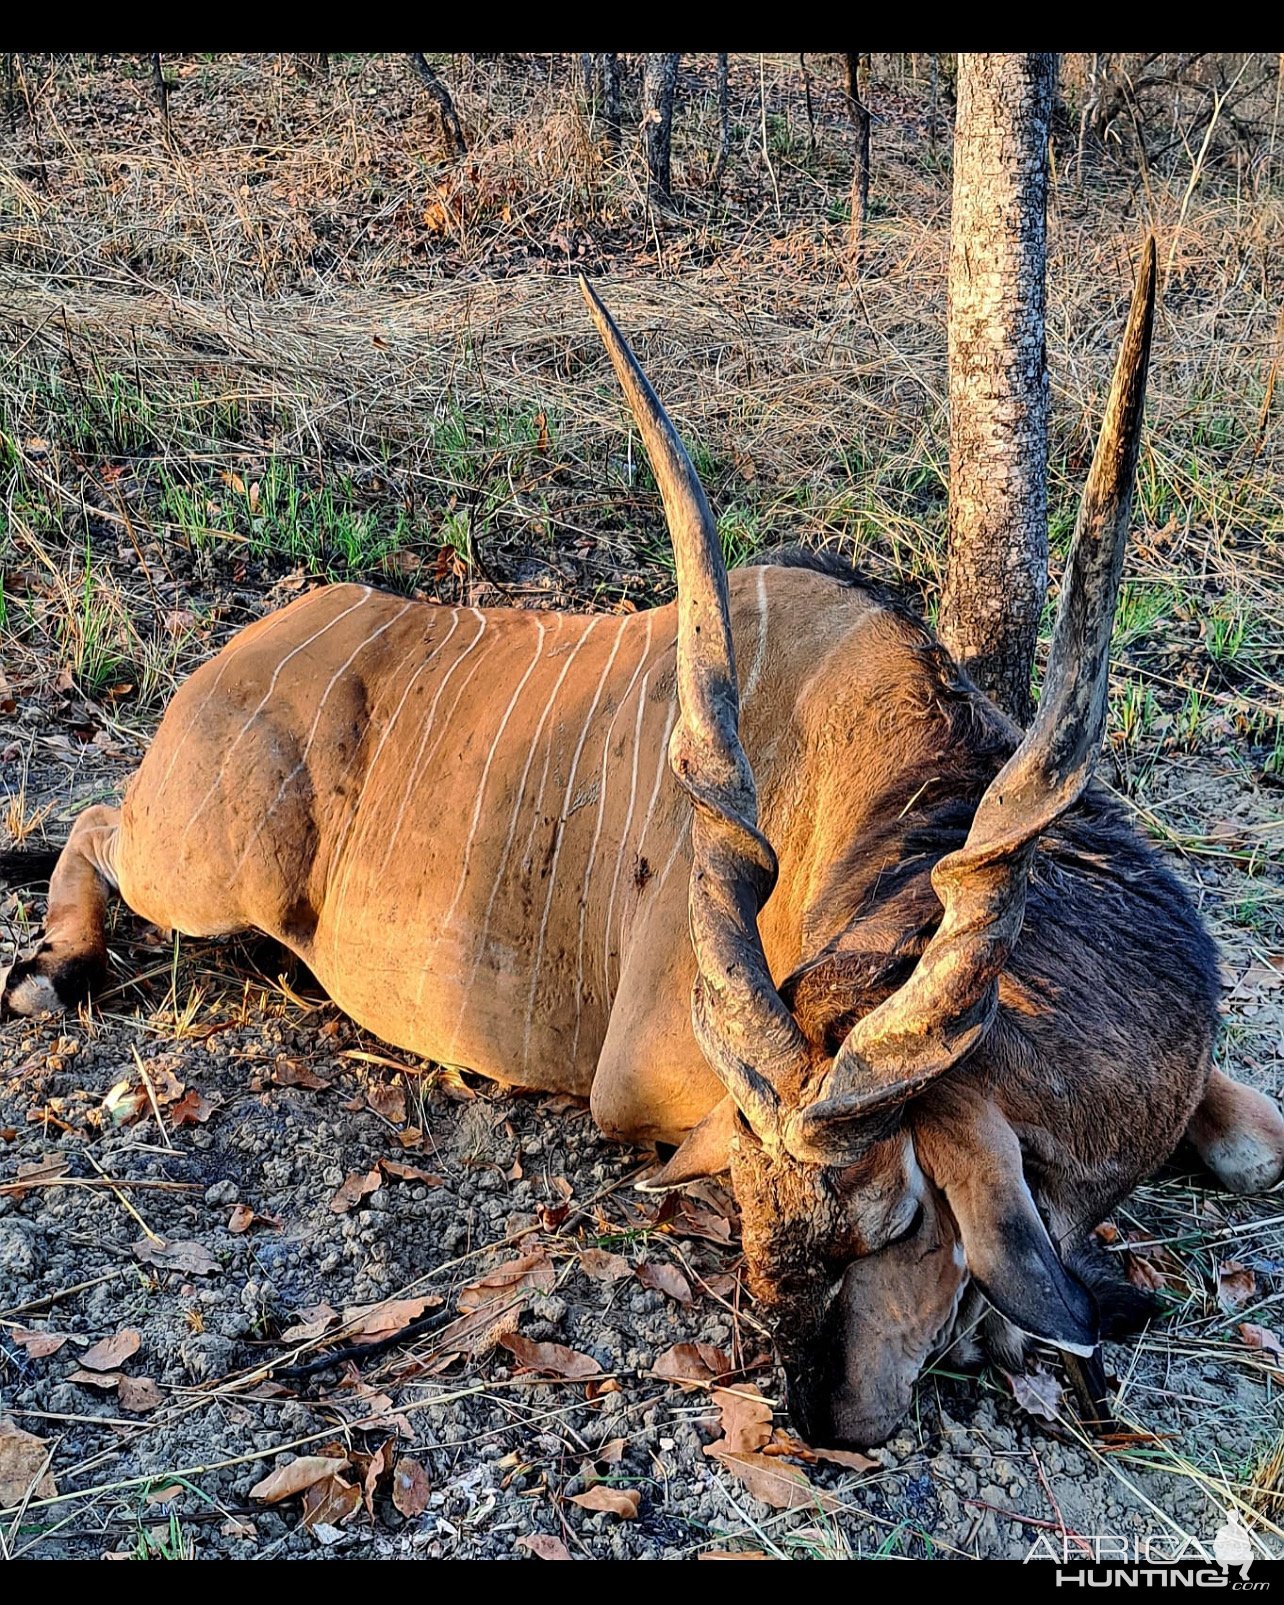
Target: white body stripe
311,737
263,702
560,838
591,861
485,774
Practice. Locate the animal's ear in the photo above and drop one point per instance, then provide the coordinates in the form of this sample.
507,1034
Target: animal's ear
705,1151
969,1150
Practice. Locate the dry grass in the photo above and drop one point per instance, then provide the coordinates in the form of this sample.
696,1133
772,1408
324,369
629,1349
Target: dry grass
290,340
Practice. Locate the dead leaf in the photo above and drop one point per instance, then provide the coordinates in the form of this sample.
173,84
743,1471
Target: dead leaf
371,1323
404,1172
738,1554
179,1255
359,1185
610,1454
293,1073
1038,1393
192,1109
39,1345
112,1352
388,1100
164,1495
243,1217
622,1502
330,1502
850,1459
287,1481
36,1173
692,1365
1142,1272
1261,1337
238,1527
313,1319
532,1273
549,1359
543,1546
139,1395
376,1470
23,1466
104,1380
604,1267
776,1482
745,1420
666,1279
1236,1286
410,1487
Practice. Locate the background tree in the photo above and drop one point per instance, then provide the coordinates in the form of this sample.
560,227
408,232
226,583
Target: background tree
451,132
659,87
857,89
997,570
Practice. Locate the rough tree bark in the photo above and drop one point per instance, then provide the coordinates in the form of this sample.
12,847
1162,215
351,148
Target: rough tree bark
659,86
611,77
857,88
997,571
452,133
724,121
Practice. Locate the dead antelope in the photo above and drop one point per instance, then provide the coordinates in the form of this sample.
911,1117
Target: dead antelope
575,852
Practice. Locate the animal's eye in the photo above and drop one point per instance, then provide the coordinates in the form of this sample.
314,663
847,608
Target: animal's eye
911,1226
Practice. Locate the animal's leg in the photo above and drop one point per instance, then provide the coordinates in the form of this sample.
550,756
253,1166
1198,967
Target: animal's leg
71,960
1239,1134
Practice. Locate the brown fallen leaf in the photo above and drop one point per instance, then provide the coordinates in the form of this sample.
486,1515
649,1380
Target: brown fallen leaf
604,1267
330,1502
139,1395
36,1173
243,1217
692,1365
738,1554
851,1459
23,1466
123,1104
293,1073
105,1380
288,1480
1261,1337
549,1359
388,1100
238,1527
164,1495
313,1319
777,1483
745,1418
178,1255
543,1546
360,1184
371,1323
532,1273
192,1109
39,1345
1236,1286
622,1502
112,1352
1038,1393
1142,1272
410,1487
399,1169
666,1279
376,1469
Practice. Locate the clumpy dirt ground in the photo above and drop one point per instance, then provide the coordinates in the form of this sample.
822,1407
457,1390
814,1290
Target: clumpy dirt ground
285,340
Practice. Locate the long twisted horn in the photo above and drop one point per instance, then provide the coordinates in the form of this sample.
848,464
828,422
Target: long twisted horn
947,1004
744,1029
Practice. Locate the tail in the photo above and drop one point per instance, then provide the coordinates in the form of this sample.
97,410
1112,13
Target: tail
27,866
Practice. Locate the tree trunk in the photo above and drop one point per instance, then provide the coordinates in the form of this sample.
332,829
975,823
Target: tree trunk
452,133
160,88
998,385
611,99
724,122
659,85
857,87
